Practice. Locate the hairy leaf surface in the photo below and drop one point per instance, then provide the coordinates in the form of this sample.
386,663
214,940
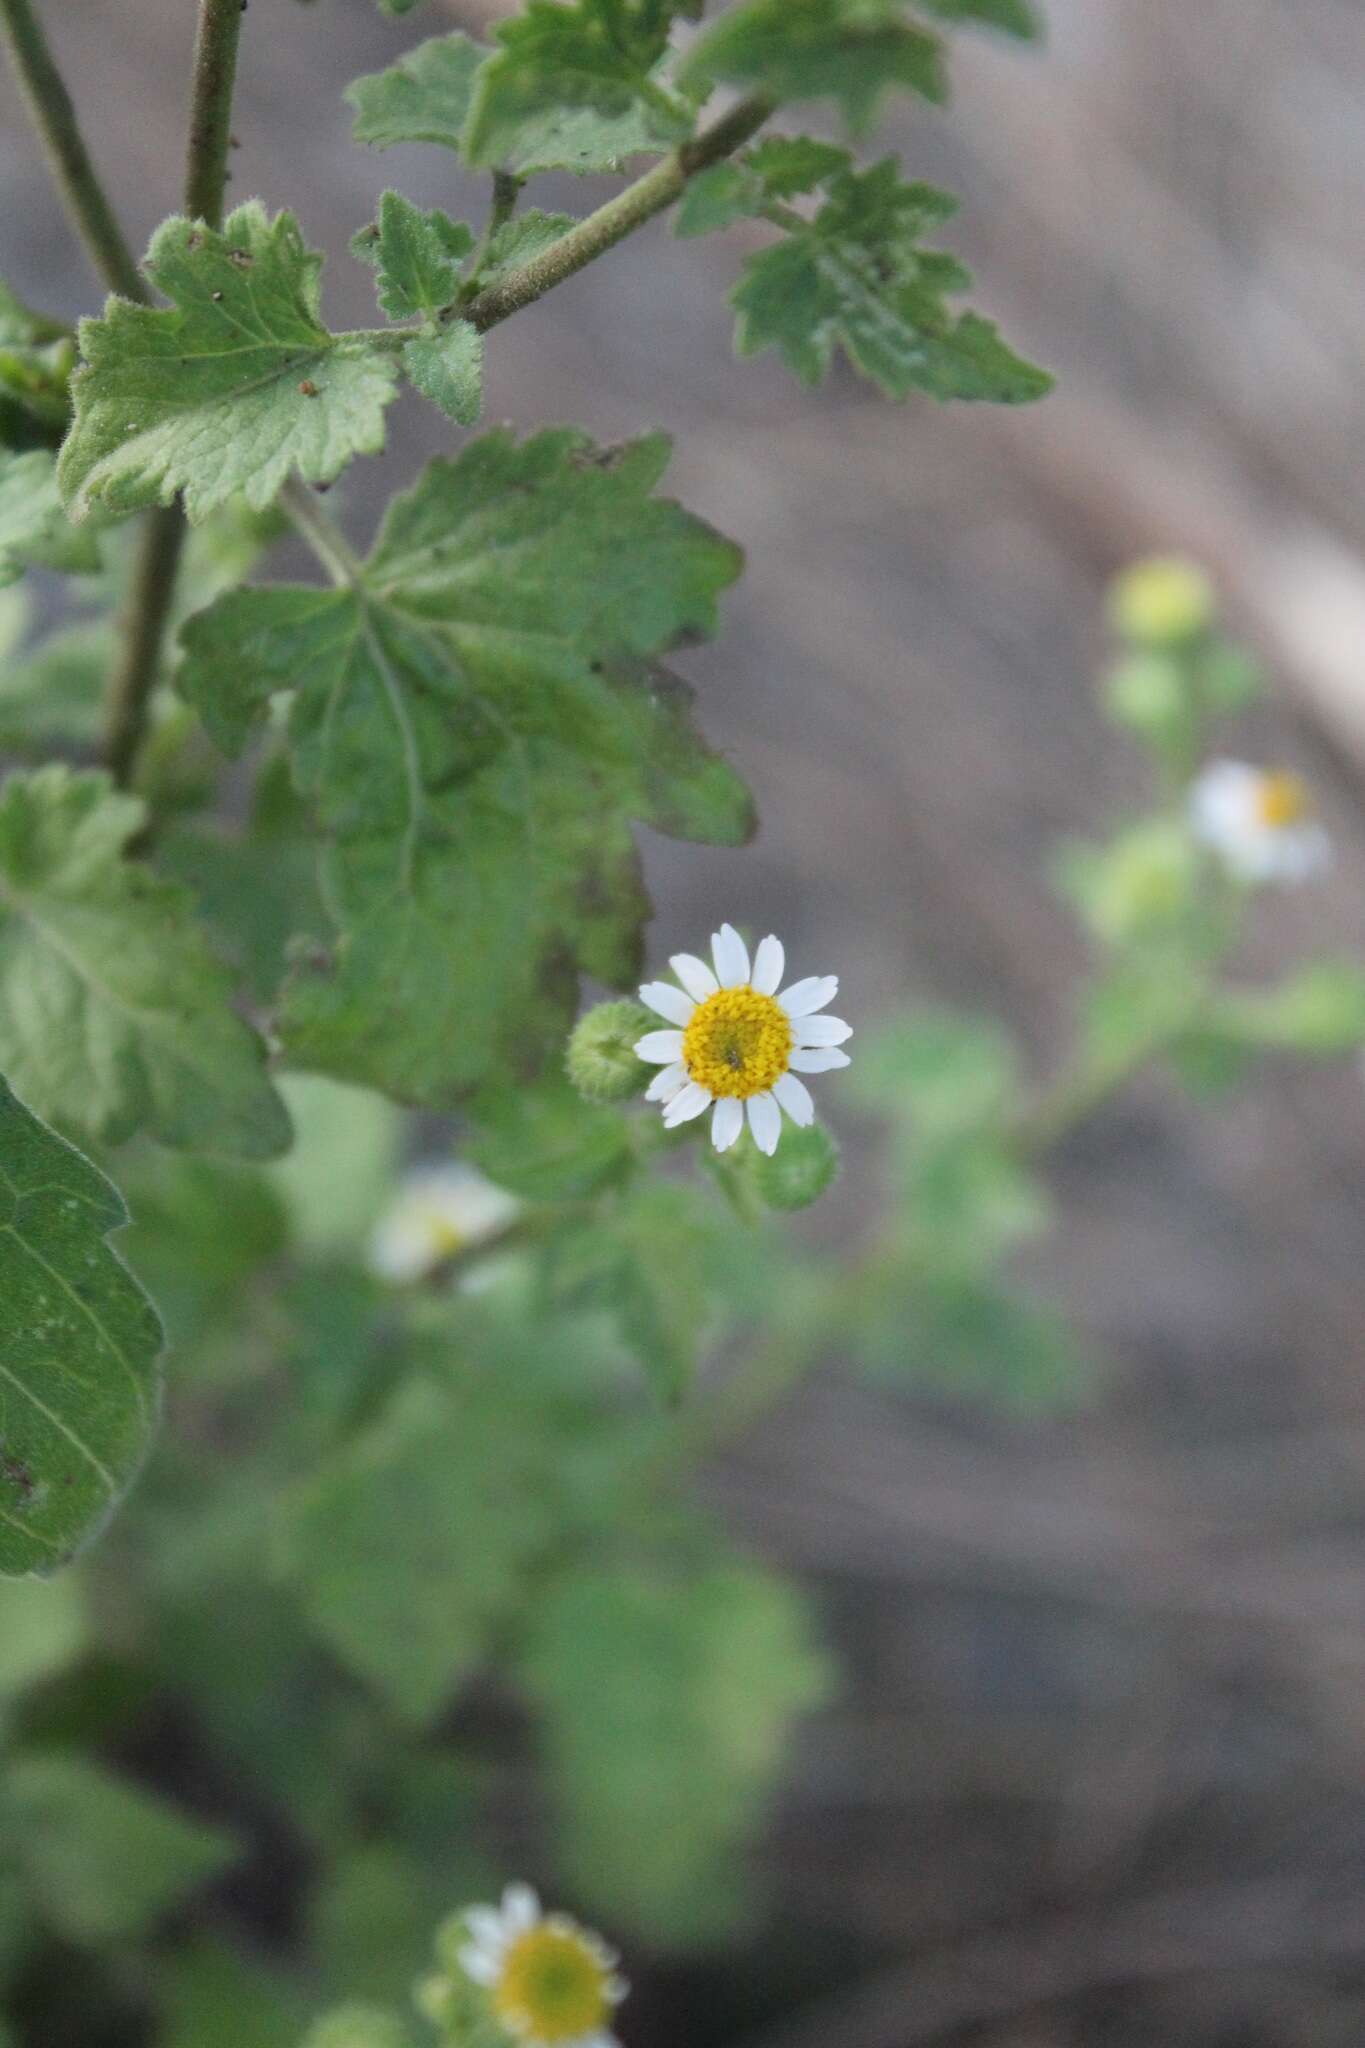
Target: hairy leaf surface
79,1341
857,277
478,723
112,1010
34,530
849,50
428,96
574,81
228,390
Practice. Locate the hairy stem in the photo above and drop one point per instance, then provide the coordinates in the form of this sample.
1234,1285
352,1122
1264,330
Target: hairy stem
152,591
215,70
54,117
591,238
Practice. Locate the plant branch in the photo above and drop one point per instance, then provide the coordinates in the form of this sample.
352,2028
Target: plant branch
54,117
215,71
591,238
152,591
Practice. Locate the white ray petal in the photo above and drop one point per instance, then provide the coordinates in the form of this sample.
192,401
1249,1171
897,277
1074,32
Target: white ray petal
822,1031
727,1123
769,961
795,1098
687,1103
818,1060
668,1001
805,997
520,1907
485,1924
666,1083
479,1965
731,956
660,1048
765,1121
695,976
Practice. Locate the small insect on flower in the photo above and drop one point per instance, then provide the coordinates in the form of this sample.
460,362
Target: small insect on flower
737,1043
550,1982
1259,822
436,1212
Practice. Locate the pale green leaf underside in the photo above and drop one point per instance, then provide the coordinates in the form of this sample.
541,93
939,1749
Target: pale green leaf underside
478,725
446,366
79,1342
229,389
112,1011
427,97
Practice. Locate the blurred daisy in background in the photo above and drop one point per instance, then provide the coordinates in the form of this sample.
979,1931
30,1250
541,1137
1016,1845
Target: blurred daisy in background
1259,821
737,1044
550,1982
436,1213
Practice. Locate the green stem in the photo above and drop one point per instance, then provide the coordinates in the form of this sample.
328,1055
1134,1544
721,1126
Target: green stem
215,72
322,534
54,117
152,592
591,238
506,192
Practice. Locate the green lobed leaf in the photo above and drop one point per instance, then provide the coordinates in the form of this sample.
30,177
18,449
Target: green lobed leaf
857,277
782,167
417,1542
1015,17
113,1013
417,255
37,356
849,50
544,1143
79,1343
571,86
447,367
42,1625
477,724
668,1705
429,94
230,389
34,529
105,1859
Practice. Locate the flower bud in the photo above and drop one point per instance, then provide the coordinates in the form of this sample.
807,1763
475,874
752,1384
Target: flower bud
1162,602
601,1060
798,1173
1148,695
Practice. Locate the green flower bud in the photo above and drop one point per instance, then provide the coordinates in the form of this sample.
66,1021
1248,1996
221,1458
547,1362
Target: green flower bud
1162,602
601,1059
805,1163
1144,882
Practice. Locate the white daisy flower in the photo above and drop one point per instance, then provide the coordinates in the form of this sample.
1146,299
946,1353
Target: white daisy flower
736,1043
436,1212
551,1983
1259,822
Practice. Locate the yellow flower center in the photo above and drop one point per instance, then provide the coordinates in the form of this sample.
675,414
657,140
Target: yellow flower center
444,1237
737,1042
553,1986
1282,800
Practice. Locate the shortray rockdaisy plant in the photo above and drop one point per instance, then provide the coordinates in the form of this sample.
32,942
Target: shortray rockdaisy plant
737,1047
550,1982
1259,822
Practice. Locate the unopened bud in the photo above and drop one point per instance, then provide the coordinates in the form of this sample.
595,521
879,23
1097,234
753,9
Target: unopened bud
805,1163
1162,601
601,1060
